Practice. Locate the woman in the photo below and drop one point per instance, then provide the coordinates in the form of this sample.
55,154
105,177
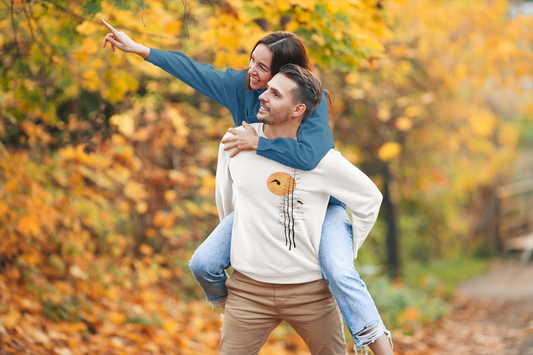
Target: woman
239,92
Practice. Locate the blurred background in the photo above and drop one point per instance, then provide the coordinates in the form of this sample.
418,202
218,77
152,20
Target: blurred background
107,167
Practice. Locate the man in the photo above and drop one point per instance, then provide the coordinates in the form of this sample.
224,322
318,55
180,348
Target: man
277,227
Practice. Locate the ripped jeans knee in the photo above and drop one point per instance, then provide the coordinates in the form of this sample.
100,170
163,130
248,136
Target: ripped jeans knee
369,334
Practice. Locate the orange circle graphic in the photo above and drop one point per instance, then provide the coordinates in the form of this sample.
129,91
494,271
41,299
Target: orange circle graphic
281,184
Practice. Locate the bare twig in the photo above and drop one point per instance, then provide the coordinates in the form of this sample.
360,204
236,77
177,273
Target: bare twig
14,28
184,2
41,49
81,19
142,16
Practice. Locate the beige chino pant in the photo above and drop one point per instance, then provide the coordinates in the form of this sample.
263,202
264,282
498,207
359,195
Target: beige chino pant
254,309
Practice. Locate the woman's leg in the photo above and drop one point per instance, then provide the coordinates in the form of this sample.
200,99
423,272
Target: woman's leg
210,261
350,292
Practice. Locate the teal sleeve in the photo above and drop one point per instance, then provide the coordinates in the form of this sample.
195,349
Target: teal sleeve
222,86
313,142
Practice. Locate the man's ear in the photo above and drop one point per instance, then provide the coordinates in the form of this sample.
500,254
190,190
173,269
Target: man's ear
298,110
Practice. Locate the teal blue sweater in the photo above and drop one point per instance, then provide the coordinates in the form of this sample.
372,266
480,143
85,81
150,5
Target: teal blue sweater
228,88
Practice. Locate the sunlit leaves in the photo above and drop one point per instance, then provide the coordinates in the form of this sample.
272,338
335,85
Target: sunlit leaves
441,105
389,151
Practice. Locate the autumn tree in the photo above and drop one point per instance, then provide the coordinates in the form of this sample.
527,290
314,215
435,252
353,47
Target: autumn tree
436,117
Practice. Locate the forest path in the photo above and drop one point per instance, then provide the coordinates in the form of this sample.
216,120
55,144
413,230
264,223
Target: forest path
493,315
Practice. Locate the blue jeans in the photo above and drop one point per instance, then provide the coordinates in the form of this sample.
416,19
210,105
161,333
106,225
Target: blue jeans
335,255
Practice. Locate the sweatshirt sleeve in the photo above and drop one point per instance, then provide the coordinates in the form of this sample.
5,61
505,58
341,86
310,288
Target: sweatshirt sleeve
225,198
313,142
351,186
221,86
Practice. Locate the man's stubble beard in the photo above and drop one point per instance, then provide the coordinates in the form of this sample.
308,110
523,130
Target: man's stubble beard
274,119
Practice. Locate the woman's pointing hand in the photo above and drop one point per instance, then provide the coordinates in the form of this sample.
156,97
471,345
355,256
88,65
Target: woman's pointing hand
121,41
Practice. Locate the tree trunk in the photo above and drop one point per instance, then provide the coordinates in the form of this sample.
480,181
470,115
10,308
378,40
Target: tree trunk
393,257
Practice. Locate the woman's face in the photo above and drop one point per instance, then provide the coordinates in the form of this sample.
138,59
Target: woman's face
259,67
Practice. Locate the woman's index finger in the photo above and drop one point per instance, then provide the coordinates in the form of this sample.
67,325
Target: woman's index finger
111,28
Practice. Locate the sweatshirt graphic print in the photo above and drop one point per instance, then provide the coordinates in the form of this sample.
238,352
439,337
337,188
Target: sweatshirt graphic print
286,186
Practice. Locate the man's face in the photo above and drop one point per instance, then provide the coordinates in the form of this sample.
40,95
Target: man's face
276,102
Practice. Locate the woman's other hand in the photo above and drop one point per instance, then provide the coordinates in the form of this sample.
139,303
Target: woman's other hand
241,140
121,41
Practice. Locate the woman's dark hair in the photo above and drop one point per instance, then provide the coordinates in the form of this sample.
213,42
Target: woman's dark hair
287,48
308,90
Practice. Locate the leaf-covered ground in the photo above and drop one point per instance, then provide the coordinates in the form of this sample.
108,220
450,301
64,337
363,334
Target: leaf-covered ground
493,315
476,327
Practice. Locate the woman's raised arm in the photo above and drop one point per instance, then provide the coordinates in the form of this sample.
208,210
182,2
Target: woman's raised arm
225,87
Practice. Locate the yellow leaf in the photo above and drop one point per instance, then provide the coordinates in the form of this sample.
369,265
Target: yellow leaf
409,314
150,232
146,249
118,139
170,195
141,207
68,153
403,124
135,191
170,326
165,273
319,40
117,318
177,120
124,122
28,225
12,185
87,28
483,122
389,150
413,111
304,4
283,5
11,319
384,113
351,78
89,46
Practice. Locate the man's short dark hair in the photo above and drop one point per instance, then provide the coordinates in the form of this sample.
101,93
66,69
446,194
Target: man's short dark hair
308,89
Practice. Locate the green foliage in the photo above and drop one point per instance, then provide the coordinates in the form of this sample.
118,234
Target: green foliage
423,295
443,276
402,306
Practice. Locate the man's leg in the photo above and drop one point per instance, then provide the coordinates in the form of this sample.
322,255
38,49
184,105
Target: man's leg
210,261
311,310
250,316
350,292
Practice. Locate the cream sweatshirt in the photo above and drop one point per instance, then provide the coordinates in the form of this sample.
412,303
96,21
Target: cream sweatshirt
279,211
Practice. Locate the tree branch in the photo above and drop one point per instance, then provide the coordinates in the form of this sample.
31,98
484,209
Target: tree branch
81,19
